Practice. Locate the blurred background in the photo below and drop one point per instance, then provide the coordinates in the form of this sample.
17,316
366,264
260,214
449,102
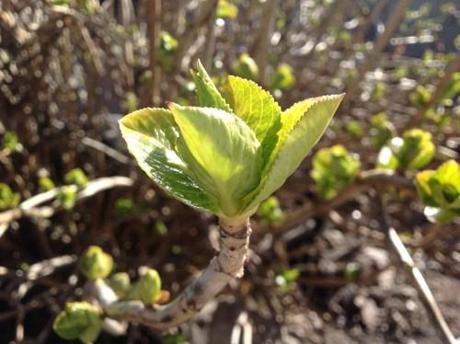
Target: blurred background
320,269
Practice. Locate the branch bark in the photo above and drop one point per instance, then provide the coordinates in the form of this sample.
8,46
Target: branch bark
226,266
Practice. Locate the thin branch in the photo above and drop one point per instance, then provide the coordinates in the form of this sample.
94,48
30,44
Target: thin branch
396,17
417,278
262,43
222,269
441,87
363,182
30,207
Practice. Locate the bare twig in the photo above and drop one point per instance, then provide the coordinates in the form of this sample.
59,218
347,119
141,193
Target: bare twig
417,278
154,26
363,182
107,150
391,25
262,44
441,87
30,206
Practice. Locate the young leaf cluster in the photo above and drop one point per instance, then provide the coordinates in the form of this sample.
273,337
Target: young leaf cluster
334,168
230,153
79,321
83,320
411,152
439,190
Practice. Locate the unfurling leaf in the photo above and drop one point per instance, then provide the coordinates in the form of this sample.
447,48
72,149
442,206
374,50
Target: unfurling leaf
79,320
232,152
334,169
95,263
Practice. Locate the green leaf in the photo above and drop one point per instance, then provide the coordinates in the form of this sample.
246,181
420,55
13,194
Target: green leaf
302,125
152,137
79,320
257,108
225,152
207,93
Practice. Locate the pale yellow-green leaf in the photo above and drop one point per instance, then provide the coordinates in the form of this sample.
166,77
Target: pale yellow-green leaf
303,124
225,150
152,137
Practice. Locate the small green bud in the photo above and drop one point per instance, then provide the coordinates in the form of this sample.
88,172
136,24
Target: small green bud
147,288
46,183
334,168
76,176
67,196
124,207
226,9
284,78
270,211
95,263
8,198
79,320
246,67
11,142
120,283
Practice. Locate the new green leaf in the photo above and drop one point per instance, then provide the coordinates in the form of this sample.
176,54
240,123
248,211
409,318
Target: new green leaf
232,152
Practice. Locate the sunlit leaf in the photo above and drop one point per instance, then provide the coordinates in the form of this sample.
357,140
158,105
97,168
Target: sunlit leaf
257,108
302,125
207,93
152,135
225,149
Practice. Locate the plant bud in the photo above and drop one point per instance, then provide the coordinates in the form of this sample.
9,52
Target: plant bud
79,320
95,263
